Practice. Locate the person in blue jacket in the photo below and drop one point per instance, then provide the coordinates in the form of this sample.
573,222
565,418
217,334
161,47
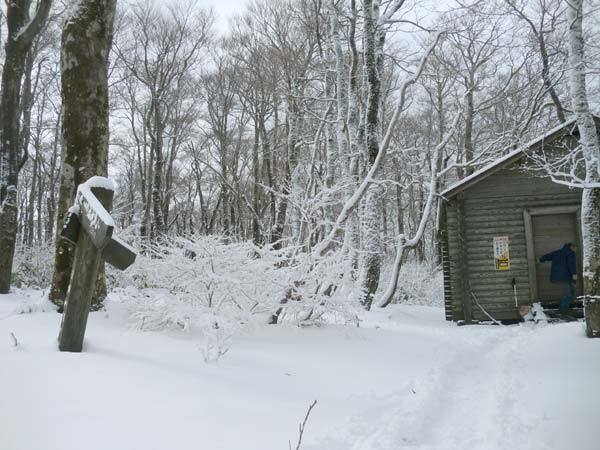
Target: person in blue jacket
563,272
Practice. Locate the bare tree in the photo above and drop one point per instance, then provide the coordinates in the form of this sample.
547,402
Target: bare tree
160,51
548,20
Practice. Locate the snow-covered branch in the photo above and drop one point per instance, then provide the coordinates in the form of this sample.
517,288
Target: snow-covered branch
26,34
567,170
351,204
403,243
388,15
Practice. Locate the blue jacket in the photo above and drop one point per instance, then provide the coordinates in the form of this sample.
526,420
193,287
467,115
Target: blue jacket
564,264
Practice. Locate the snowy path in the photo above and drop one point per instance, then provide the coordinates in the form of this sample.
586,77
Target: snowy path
404,380
490,392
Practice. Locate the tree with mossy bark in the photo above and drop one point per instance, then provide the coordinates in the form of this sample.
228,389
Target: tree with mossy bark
85,43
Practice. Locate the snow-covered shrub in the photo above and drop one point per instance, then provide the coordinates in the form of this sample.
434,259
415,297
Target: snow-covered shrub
33,266
179,283
418,284
319,291
216,287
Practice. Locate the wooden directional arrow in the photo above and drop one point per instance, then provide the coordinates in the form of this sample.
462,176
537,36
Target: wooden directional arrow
118,254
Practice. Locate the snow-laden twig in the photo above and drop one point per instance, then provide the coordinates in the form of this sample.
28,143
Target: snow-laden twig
302,427
567,170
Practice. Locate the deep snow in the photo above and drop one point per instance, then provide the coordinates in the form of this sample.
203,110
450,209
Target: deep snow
405,379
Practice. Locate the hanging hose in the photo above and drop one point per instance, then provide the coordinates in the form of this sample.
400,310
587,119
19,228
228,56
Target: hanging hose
481,307
514,284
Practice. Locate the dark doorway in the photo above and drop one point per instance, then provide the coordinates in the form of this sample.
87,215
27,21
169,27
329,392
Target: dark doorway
551,232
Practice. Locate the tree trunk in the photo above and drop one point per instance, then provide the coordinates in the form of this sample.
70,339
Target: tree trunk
560,112
31,204
268,171
158,222
85,46
8,225
21,32
146,225
469,113
51,198
256,235
174,144
352,232
590,206
374,40
291,179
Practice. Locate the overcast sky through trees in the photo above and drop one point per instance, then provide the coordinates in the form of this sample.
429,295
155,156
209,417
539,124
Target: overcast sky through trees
224,10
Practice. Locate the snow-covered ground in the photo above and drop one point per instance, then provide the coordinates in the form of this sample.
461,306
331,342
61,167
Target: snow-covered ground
405,379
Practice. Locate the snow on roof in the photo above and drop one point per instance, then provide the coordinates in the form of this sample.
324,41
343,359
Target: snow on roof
465,182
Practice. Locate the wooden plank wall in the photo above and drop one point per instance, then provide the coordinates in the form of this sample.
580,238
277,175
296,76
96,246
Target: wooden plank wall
494,207
453,267
443,242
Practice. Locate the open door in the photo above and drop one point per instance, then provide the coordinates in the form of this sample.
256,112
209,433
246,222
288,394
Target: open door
548,229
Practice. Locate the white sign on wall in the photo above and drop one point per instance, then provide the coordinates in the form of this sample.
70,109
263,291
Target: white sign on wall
501,253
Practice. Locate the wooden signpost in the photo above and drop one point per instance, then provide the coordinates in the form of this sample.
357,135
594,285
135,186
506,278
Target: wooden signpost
90,227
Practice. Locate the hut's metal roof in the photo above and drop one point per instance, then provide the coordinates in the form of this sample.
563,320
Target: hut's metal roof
509,158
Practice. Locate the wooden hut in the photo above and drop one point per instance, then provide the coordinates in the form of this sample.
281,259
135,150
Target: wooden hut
497,223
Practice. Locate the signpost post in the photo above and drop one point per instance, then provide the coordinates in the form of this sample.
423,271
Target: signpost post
90,227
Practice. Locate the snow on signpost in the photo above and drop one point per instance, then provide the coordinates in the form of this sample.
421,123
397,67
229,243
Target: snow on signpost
90,227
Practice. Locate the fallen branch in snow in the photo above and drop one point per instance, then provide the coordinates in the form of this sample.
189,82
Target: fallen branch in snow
302,426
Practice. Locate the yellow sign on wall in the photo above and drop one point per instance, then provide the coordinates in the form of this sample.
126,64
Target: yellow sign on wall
501,253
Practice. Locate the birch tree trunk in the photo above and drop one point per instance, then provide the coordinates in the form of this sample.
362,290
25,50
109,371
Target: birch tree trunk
268,169
156,137
85,44
292,158
256,232
21,33
590,207
469,118
352,232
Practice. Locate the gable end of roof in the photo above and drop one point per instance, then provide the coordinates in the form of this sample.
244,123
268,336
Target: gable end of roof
567,128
